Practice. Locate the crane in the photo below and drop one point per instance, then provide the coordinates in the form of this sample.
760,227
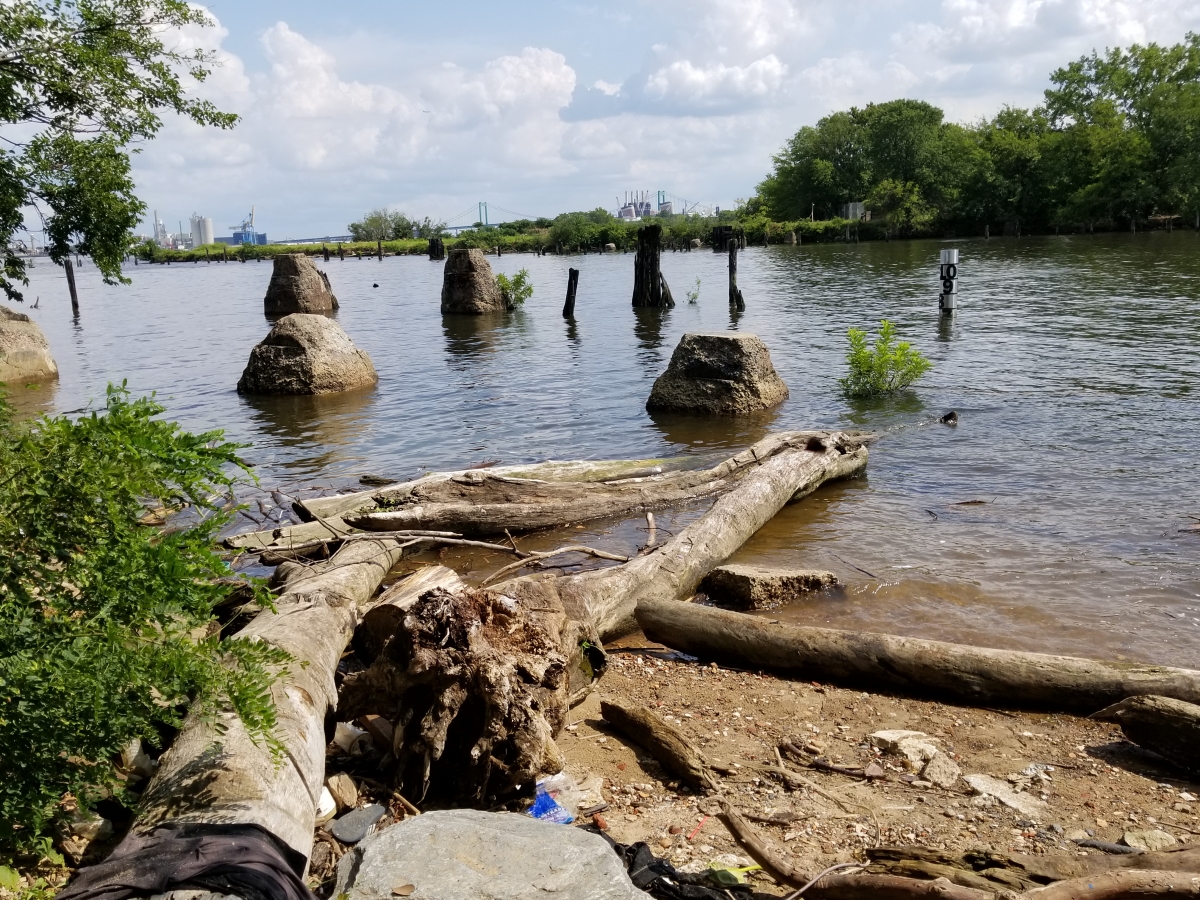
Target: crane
246,228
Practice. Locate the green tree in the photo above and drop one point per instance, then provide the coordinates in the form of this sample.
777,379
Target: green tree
887,368
106,624
83,80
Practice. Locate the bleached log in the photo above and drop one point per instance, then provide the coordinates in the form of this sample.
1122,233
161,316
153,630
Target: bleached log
972,675
214,773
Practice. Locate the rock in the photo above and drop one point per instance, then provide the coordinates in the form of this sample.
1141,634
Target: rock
355,825
1076,835
753,587
610,248
306,354
468,853
913,746
1150,839
988,786
24,352
298,286
695,243
468,285
343,789
718,374
942,771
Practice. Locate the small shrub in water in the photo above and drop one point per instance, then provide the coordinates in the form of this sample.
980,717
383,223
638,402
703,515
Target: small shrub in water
694,296
515,290
889,367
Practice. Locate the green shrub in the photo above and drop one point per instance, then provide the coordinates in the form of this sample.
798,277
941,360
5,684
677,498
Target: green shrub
515,290
890,367
106,623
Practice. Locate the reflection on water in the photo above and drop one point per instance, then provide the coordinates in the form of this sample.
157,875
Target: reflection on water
648,325
1053,517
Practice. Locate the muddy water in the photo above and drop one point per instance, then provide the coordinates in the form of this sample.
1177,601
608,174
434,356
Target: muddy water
1054,517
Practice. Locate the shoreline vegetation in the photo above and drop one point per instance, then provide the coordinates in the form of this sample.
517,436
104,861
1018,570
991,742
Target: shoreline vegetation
622,236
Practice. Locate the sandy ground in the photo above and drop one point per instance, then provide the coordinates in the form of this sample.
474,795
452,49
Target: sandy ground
1096,781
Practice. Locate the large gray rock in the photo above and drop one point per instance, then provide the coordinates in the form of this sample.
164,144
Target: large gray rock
306,354
754,587
725,373
468,285
24,353
466,853
298,286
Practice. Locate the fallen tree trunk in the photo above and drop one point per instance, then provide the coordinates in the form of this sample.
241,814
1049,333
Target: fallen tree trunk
606,598
483,502
214,773
481,680
972,675
666,743
1171,728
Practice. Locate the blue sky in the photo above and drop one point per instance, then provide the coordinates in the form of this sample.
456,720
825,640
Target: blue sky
545,107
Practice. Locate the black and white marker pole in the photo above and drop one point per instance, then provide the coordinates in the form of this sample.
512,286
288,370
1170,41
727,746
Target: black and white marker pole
948,299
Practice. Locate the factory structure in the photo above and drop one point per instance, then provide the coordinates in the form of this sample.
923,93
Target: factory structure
638,205
201,233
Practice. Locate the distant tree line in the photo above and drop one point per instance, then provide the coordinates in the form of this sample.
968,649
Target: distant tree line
385,225
1116,144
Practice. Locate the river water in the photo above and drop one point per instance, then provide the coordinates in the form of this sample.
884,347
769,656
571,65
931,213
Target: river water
1071,364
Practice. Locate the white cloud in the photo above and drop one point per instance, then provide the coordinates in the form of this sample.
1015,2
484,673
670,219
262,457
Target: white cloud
715,84
434,131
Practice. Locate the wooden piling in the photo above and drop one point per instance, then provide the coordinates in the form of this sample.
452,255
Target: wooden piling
379,249
647,276
71,287
572,286
735,295
224,253
325,251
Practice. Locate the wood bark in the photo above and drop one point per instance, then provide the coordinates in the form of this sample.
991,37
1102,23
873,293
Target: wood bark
481,502
972,675
735,294
1169,727
662,740
478,684
214,773
383,619
647,281
572,287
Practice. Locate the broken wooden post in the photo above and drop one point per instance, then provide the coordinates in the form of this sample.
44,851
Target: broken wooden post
436,249
721,236
572,285
224,253
668,300
341,252
71,286
379,249
735,295
647,277
325,252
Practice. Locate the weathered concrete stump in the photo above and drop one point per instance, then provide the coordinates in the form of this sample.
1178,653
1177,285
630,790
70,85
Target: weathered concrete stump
469,286
744,588
467,853
721,373
24,352
298,286
306,354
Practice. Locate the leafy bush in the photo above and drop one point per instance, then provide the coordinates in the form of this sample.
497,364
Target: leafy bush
891,366
515,290
694,296
106,623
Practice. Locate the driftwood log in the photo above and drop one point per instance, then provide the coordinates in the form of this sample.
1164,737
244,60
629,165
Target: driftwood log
483,502
972,675
662,740
478,682
214,773
1169,727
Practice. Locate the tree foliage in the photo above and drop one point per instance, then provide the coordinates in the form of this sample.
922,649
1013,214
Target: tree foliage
383,224
886,368
515,290
83,80
1116,142
106,624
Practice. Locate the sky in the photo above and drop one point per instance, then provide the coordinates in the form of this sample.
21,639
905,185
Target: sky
541,108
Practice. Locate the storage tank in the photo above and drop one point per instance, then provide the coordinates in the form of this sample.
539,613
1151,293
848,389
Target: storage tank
202,230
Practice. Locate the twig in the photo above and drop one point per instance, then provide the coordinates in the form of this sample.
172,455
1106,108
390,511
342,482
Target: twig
538,557
746,833
516,549
834,868
853,566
